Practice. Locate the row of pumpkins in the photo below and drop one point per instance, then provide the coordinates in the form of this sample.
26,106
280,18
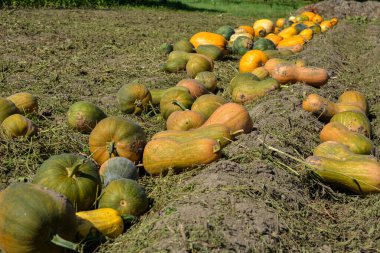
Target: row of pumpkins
344,158
199,124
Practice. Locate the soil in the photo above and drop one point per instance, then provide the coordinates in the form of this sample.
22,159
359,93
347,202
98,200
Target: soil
253,199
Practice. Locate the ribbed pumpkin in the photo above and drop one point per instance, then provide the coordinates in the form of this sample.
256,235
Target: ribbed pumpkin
248,29
25,102
280,22
264,44
232,115
274,38
355,121
291,41
339,151
7,108
288,32
174,100
195,87
174,65
184,120
317,18
334,21
265,23
260,72
242,44
125,196
249,91
300,27
179,55
325,25
133,98
208,79
162,154
83,116
238,35
310,15
226,31
251,60
207,104
354,98
198,63
359,176
106,221
307,34
72,175
17,125
183,45
116,168
31,218
211,51
116,136
358,143
207,38
242,77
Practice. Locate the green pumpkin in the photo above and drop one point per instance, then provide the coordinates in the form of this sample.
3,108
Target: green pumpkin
316,29
252,90
355,121
72,175
240,78
33,219
166,48
174,65
287,23
183,45
198,63
213,52
300,27
175,100
264,44
7,108
156,96
83,116
242,45
126,196
116,168
17,125
133,98
226,31
206,104
208,79
283,53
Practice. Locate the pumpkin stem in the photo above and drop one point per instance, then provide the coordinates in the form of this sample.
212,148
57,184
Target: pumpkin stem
216,148
176,102
237,132
57,240
76,167
111,148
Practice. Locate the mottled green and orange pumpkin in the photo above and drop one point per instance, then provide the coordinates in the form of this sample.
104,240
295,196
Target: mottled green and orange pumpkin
17,125
25,102
133,98
7,108
175,100
83,116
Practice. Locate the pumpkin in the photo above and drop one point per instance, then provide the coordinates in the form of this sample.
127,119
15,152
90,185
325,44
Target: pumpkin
156,96
302,18
358,143
286,72
195,87
265,23
106,221
278,53
174,65
251,60
207,104
338,151
309,23
260,72
72,175
288,32
116,136
280,22
310,15
238,35
125,196
162,154
334,21
260,31
198,63
17,125
175,100
7,108
325,25
291,41
232,115
248,29
249,91
358,176
166,48
272,63
241,30
184,120
116,168
356,98
242,44
83,116
175,55
306,34
295,49
217,132
242,77
317,18
264,44
226,31
355,121
183,45
207,38
211,51
25,102
133,98
300,27
316,29
208,79
274,38
325,109
35,219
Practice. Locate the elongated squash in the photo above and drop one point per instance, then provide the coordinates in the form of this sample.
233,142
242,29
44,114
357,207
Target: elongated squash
162,154
252,90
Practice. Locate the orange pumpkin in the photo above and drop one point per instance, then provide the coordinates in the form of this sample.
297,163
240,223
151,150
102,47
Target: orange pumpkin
251,60
274,38
248,29
184,120
196,88
267,24
207,38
